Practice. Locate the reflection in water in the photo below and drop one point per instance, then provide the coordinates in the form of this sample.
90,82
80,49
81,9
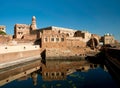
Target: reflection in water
67,74
34,76
58,70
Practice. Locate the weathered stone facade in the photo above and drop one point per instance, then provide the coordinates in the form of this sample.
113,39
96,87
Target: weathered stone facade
58,39
20,30
75,42
5,39
50,37
83,34
53,39
23,31
68,32
108,39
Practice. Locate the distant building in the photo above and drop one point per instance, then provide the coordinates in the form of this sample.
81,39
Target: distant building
20,30
58,37
108,39
52,36
67,31
3,28
4,39
83,34
53,39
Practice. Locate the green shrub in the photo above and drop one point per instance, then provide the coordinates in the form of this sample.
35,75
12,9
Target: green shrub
2,33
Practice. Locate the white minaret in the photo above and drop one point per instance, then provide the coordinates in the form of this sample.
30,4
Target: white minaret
33,25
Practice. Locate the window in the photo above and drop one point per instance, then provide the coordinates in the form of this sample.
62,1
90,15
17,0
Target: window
59,31
62,39
57,39
52,39
62,74
24,47
57,74
20,32
52,74
19,27
5,47
46,74
45,39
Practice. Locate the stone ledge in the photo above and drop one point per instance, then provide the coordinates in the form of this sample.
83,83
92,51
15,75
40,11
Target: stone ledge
23,60
65,58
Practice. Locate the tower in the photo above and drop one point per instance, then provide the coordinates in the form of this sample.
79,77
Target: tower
33,25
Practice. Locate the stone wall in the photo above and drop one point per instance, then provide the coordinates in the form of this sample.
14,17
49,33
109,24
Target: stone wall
109,39
18,48
30,37
69,32
56,52
4,39
14,56
20,30
53,53
53,39
75,42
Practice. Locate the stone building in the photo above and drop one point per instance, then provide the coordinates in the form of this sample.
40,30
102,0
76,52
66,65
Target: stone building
67,31
53,39
108,39
51,36
57,39
85,35
24,30
20,30
5,39
3,28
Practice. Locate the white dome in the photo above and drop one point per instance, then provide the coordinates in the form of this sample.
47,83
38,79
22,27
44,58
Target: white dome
34,17
107,34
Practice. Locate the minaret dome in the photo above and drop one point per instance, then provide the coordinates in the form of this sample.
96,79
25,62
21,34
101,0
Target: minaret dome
33,18
33,25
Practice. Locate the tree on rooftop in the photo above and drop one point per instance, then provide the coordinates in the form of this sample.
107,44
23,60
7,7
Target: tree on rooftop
2,33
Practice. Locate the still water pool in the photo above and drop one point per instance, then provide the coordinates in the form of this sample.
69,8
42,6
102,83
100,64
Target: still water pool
67,74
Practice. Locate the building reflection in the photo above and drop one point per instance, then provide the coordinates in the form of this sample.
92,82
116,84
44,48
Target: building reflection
53,70
34,76
58,70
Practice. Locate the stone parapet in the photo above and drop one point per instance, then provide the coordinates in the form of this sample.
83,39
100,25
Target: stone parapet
18,48
18,56
65,58
64,53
